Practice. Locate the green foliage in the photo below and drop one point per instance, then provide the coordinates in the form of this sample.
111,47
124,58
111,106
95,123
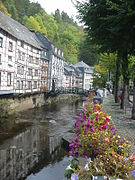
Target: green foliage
59,27
106,64
31,23
3,8
88,52
4,108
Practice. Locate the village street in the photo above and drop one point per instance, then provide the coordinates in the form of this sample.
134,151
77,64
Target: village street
125,126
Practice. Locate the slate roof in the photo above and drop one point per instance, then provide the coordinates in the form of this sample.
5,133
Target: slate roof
43,41
81,64
84,67
17,30
46,43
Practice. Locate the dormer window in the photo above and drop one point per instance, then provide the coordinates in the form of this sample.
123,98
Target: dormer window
0,58
1,41
22,44
10,48
45,53
55,50
59,52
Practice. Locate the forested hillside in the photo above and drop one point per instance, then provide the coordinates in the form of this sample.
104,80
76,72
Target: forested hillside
59,27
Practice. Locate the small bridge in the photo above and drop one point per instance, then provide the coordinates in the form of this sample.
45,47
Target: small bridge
80,91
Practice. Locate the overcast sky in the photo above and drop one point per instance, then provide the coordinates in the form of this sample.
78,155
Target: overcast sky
63,5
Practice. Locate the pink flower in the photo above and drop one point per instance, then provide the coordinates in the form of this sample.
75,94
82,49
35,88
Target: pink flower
83,154
100,128
91,122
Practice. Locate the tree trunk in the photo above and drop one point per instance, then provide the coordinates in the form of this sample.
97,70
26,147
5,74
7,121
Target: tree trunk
117,80
133,109
125,74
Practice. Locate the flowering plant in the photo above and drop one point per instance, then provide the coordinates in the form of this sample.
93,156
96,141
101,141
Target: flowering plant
93,131
96,138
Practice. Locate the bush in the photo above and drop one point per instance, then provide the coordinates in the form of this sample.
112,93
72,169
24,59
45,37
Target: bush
4,108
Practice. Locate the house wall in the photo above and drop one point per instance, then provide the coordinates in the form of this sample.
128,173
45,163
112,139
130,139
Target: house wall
56,68
7,62
20,66
87,81
28,68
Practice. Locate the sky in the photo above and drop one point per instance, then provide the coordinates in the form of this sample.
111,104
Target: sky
63,5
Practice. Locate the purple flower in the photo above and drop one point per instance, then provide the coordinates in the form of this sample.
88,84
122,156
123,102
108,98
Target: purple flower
133,173
100,128
105,126
74,177
86,167
83,154
107,119
91,122
112,129
76,154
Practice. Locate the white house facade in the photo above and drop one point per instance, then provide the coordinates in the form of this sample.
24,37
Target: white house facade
7,62
87,74
20,58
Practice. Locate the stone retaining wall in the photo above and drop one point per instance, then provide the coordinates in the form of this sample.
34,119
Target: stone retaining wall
37,100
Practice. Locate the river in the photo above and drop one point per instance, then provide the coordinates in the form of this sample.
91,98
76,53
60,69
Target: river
36,153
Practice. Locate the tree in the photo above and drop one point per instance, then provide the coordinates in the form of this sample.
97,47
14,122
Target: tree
106,64
31,23
3,8
106,22
88,52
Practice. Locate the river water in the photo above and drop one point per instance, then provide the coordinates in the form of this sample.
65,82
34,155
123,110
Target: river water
36,153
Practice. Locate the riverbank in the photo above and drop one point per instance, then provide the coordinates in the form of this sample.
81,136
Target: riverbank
16,123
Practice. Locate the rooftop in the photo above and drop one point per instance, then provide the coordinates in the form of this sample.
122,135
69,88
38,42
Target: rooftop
17,30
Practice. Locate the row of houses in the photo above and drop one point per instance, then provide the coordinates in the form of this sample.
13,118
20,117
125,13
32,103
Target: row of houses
29,62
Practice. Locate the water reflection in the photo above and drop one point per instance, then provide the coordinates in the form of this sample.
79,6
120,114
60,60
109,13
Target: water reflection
36,147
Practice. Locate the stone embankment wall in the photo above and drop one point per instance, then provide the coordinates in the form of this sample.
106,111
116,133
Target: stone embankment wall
37,100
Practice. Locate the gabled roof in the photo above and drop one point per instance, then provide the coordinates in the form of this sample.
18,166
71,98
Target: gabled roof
84,67
43,41
17,30
46,43
82,64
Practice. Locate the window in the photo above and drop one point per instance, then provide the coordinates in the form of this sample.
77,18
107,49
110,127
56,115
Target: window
45,53
23,56
0,78
55,50
10,48
21,84
35,84
29,84
1,41
18,84
19,54
9,76
29,72
20,70
30,59
22,44
37,61
0,58
36,72
9,58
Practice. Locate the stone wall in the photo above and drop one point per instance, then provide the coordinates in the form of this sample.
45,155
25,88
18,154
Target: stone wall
24,103
37,100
